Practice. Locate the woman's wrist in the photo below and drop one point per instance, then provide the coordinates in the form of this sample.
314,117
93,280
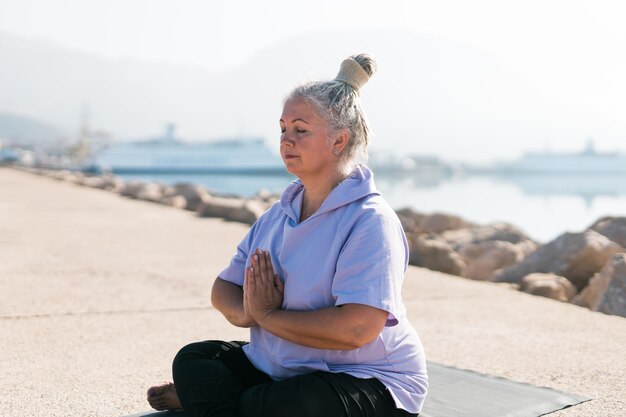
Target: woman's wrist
245,320
266,318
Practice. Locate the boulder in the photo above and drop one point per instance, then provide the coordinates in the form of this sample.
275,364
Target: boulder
612,227
194,194
168,191
606,291
94,182
234,209
150,192
527,247
548,285
614,299
479,234
249,212
112,183
266,196
177,201
131,188
482,260
432,252
57,175
440,222
213,206
410,220
576,256
73,177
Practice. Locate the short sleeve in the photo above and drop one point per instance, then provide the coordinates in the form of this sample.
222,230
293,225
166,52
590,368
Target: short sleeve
236,270
371,265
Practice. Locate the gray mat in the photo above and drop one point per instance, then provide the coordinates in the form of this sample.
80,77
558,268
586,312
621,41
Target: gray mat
455,392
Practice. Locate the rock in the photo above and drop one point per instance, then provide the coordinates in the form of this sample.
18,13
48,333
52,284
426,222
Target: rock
479,234
266,196
612,227
432,252
249,212
591,295
73,177
194,194
112,183
410,220
606,291
233,209
548,285
93,182
216,206
177,201
131,188
482,260
439,222
408,225
527,247
57,175
576,256
150,192
614,300
488,249
168,191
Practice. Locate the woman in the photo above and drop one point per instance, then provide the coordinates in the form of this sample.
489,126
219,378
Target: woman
317,280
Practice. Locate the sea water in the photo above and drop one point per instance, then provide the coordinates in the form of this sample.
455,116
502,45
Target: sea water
543,206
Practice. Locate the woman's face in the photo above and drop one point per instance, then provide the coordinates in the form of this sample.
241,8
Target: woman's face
304,141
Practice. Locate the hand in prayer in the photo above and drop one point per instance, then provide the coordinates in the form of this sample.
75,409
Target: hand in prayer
263,289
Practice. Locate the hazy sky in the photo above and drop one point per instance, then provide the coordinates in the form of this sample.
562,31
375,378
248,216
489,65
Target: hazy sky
526,33
572,48
535,35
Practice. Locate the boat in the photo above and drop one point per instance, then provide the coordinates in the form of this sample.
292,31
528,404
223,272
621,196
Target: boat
170,155
587,161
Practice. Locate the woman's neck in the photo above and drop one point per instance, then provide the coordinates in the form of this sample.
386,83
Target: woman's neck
315,192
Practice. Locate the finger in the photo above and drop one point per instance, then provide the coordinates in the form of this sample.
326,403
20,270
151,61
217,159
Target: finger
256,271
251,279
280,286
268,262
263,267
246,284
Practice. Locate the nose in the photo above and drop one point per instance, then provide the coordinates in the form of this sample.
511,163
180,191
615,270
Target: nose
285,140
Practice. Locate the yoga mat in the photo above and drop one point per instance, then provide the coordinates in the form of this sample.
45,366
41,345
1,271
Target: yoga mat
455,392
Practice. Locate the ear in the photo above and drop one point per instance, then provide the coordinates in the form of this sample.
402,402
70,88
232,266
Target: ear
340,141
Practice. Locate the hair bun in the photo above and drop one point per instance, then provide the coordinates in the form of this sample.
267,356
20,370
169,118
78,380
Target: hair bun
356,70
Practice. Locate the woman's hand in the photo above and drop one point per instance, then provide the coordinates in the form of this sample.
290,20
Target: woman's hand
263,290
345,327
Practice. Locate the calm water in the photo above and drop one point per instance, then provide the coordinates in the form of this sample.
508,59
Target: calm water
542,206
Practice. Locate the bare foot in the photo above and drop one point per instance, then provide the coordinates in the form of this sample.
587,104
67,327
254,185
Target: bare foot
164,397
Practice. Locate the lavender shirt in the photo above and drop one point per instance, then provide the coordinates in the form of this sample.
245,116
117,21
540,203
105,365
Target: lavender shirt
352,250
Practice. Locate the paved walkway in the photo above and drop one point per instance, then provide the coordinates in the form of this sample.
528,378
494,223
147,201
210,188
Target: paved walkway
98,292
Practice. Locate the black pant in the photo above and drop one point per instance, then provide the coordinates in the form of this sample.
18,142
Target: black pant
216,379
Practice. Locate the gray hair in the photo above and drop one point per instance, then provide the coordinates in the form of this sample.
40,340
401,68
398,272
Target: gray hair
339,105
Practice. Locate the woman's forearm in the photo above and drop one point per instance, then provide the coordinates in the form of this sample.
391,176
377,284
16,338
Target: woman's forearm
345,327
342,328
228,299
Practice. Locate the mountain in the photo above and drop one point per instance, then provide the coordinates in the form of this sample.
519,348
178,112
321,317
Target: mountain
430,95
27,130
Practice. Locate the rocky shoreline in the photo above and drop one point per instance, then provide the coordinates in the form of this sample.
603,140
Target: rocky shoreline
587,268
